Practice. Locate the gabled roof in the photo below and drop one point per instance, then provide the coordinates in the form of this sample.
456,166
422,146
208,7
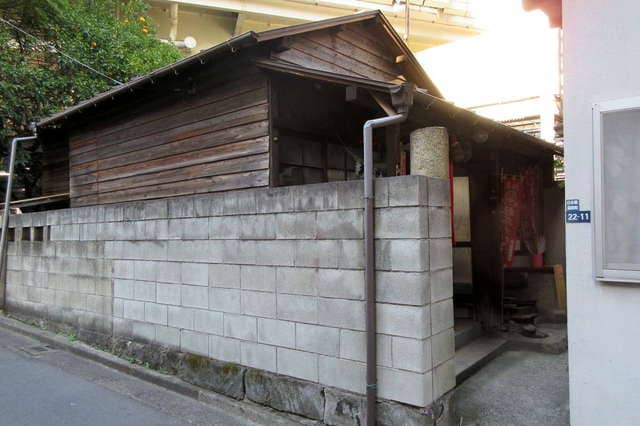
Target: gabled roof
243,41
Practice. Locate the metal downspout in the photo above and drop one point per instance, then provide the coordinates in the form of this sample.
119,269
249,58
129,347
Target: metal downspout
5,215
370,258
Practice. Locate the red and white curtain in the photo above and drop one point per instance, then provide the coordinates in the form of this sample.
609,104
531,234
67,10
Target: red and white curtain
520,199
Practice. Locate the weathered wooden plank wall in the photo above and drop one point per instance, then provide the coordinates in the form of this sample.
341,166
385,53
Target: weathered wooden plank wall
349,50
55,166
214,138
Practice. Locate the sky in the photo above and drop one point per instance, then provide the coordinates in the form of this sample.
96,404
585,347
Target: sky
516,58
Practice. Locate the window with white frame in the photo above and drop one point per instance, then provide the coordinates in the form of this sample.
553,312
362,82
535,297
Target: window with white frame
616,138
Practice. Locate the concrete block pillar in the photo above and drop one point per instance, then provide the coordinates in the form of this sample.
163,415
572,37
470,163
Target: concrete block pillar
430,152
430,157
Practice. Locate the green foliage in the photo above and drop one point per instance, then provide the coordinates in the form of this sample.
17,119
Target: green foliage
115,37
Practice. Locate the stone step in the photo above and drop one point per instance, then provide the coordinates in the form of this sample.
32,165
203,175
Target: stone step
476,354
466,330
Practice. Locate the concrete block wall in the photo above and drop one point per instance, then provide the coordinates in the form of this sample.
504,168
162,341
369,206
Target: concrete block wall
268,278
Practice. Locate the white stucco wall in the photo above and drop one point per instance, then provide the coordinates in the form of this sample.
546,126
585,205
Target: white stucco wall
602,58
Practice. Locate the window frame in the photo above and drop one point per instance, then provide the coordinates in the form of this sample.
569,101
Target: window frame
630,276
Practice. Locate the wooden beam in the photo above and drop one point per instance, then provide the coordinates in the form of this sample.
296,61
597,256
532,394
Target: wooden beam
237,29
386,107
173,20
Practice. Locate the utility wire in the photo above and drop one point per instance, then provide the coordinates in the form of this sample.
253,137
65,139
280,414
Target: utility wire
55,49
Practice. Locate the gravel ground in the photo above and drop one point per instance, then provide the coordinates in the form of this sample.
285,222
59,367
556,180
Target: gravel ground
516,388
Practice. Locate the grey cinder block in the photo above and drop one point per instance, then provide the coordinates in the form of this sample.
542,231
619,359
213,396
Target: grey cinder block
168,272
121,288
241,252
209,322
144,270
404,288
168,336
224,300
143,331
293,226
194,273
318,339
262,278
441,315
224,349
144,290
258,227
112,213
188,251
223,275
411,354
275,253
353,346
444,378
319,253
402,222
439,192
273,200
341,313
258,303
404,386
195,228
441,284
239,202
342,373
276,332
133,309
351,254
341,284
181,207
322,196
350,194
224,227
442,346
84,215
156,314
193,342
407,190
180,317
302,281
168,294
155,209
340,224
208,205
439,222
299,364
398,320
259,356
402,255
440,254
297,308
240,327
194,296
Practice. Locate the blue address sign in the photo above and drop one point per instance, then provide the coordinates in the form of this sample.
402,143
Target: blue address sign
574,214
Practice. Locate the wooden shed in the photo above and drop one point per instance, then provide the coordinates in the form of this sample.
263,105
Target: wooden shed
283,107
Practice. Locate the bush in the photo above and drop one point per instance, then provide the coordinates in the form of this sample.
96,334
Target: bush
115,37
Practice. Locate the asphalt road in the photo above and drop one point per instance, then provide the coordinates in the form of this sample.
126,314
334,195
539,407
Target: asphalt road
54,387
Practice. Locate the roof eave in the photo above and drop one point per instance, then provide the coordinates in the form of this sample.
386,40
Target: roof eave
241,41
427,101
